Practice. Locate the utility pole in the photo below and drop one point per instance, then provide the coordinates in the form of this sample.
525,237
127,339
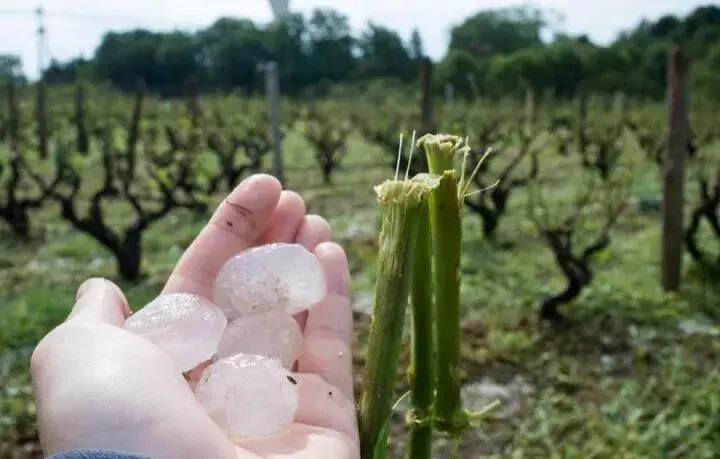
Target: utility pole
82,143
530,109
40,18
280,8
427,124
674,169
40,113
272,89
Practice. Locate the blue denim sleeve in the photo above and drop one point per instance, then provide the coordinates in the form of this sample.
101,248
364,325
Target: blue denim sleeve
95,454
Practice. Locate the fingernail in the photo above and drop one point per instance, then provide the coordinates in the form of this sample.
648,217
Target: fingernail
121,295
95,289
89,287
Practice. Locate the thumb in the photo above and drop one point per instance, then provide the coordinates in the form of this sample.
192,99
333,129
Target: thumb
99,300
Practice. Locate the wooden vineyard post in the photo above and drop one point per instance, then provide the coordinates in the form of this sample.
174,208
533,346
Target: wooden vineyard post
190,92
674,169
620,107
13,118
449,93
426,109
80,126
582,120
529,106
272,89
41,118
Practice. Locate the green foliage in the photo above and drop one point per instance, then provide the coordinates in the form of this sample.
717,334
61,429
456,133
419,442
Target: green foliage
460,68
330,44
507,55
499,31
500,51
160,59
327,133
671,413
383,54
10,69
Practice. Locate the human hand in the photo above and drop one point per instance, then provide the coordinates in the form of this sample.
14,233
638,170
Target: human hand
99,386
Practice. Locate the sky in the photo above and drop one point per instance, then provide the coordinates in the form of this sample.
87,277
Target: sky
75,27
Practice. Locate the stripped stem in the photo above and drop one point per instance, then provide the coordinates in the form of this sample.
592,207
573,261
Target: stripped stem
421,373
445,203
402,203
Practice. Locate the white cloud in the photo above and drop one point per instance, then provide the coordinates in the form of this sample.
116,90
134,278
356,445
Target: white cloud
72,35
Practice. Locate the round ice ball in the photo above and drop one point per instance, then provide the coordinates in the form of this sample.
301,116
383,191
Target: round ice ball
283,277
271,334
248,395
187,327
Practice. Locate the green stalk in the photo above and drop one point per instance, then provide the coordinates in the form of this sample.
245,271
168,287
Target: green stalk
402,203
421,374
445,202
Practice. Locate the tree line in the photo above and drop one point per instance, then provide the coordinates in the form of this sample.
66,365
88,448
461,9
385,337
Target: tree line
494,52
315,50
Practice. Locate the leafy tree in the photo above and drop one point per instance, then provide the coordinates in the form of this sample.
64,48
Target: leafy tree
706,74
175,56
231,50
700,18
124,57
382,54
561,66
667,26
67,72
330,44
498,31
499,50
286,41
458,68
10,69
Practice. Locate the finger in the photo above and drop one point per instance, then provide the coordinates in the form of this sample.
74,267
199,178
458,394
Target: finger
328,330
99,300
313,231
286,219
323,405
236,224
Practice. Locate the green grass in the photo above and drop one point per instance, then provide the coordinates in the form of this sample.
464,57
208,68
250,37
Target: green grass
621,380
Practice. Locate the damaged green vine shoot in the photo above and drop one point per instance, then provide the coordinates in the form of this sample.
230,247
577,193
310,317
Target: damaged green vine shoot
446,233
419,256
421,374
403,204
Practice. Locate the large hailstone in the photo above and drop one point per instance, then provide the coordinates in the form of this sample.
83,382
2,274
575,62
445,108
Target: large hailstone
271,334
248,395
187,327
283,277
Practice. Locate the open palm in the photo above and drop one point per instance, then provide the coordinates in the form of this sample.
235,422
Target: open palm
99,386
